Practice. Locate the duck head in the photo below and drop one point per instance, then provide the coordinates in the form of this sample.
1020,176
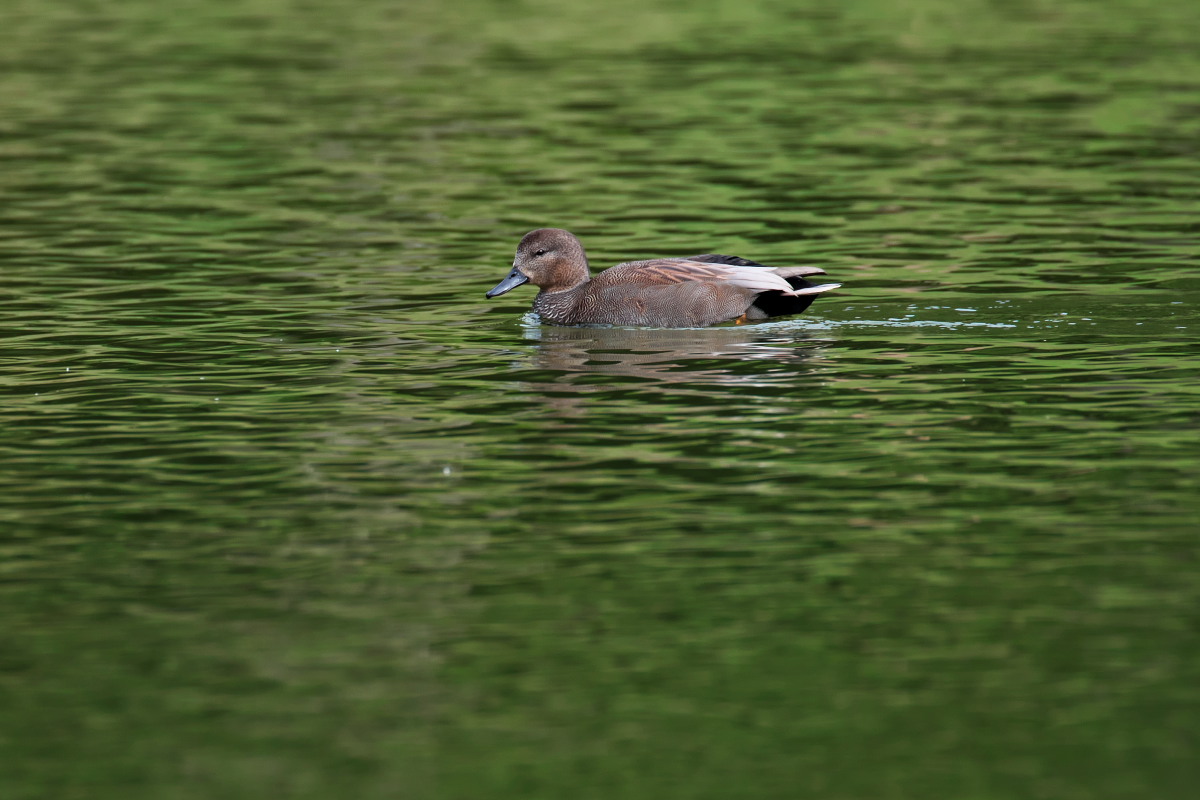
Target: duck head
549,258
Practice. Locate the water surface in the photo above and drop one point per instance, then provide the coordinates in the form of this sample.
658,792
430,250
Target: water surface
288,508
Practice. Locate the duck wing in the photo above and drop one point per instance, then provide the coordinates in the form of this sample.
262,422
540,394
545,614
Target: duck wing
717,258
668,271
738,261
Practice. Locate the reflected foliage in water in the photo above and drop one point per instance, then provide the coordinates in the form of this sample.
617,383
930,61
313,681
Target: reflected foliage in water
287,507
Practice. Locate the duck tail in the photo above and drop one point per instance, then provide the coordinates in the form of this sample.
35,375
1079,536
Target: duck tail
797,301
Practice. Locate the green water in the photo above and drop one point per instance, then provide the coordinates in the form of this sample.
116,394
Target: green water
288,509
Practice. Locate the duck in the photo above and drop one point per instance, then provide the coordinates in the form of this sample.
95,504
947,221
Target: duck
689,292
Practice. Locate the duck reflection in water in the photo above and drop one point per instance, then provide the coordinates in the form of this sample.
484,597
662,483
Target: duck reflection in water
753,355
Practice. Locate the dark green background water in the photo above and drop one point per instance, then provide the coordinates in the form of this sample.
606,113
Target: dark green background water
287,509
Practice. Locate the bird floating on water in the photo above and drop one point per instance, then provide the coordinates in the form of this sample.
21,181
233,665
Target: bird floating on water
660,292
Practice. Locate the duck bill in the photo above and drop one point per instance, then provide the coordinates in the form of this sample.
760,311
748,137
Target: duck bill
514,279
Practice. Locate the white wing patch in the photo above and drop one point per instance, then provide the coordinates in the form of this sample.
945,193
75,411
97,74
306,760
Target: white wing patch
824,287
756,279
764,279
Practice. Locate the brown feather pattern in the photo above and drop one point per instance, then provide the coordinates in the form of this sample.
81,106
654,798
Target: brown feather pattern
660,292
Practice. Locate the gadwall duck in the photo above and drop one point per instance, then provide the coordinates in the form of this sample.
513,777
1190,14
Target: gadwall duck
659,293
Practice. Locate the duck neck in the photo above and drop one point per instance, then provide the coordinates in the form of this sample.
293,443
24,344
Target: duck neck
558,305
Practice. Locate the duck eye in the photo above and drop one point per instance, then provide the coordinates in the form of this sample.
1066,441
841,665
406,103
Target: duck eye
540,253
